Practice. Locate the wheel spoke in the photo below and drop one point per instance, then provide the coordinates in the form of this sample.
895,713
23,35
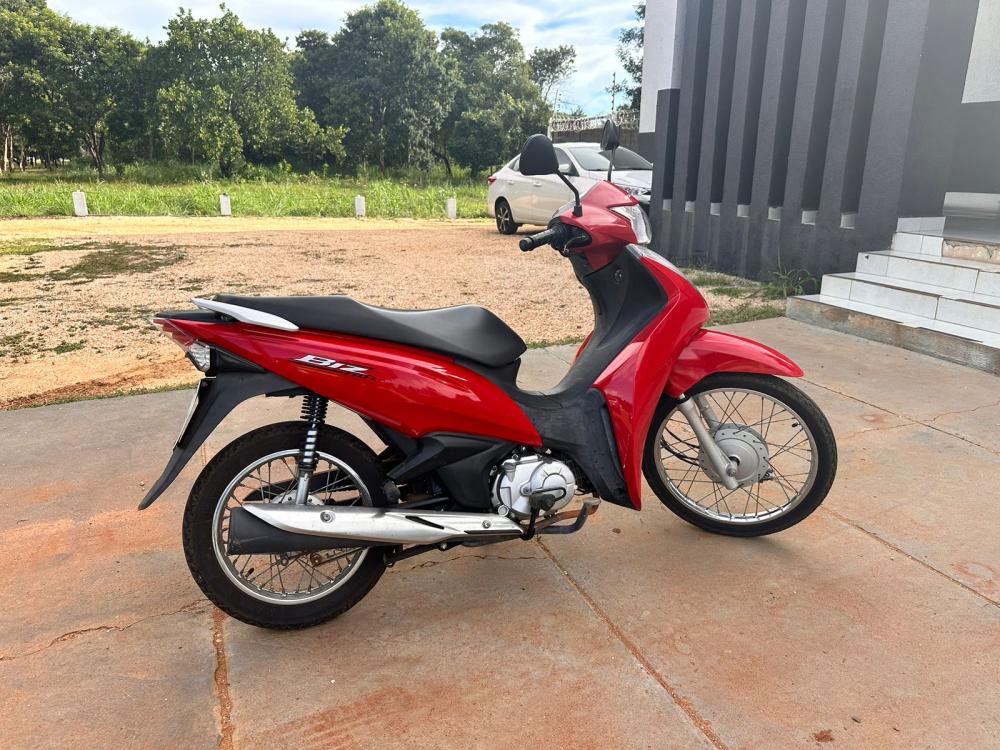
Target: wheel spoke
761,429
295,575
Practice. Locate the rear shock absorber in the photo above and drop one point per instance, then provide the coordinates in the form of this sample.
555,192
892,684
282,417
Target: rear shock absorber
314,413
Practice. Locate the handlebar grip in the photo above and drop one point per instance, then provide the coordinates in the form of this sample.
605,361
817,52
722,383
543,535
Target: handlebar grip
537,240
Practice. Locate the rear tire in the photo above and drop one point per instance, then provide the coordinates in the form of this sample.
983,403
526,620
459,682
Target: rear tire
505,218
212,488
805,415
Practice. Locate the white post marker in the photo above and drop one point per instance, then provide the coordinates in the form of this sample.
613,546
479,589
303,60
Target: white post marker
359,206
451,208
80,203
225,207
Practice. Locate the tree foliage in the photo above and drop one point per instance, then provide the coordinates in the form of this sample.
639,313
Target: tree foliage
383,90
550,67
382,79
497,103
629,50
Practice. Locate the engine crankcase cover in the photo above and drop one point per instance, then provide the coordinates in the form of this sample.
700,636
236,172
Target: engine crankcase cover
532,476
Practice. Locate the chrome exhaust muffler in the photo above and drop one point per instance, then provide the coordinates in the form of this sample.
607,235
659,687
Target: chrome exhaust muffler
270,528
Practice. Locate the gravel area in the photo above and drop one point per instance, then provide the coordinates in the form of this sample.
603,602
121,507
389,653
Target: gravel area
76,298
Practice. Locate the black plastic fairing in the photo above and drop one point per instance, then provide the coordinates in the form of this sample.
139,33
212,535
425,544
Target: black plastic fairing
461,462
573,417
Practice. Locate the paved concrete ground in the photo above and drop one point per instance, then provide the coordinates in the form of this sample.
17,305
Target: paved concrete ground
875,623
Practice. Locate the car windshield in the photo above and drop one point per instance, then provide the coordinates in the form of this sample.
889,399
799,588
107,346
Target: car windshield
593,159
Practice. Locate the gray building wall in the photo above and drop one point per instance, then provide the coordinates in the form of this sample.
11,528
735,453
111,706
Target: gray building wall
797,132
661,63
974,182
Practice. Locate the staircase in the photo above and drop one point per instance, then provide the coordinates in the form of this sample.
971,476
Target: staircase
928,294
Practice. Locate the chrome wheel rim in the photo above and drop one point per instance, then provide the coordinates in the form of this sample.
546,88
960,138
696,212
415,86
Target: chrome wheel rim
504,218
756,427
298,577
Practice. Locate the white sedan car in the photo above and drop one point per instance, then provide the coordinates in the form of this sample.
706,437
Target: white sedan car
515,199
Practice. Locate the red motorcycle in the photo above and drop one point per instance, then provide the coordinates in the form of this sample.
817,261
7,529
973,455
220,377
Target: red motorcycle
293,523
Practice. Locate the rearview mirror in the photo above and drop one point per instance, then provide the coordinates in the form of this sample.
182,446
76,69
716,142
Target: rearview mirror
610,137
538,156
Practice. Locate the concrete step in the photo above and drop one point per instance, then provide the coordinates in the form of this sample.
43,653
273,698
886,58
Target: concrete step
955,274
947,305
961,344
918,244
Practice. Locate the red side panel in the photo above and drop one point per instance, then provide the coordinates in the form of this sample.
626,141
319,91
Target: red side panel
410,390
633,383
715,351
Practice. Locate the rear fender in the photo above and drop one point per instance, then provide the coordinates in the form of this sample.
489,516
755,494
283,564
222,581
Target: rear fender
710,352
215,398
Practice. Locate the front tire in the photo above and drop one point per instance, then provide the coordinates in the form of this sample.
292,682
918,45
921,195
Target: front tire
262,590
505,218
761,419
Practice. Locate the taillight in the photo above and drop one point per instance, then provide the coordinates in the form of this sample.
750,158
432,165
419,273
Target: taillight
491,179
182,338
200,354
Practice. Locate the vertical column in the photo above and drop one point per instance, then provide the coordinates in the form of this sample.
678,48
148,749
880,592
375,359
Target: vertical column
821,35
776,99
751,49
697,27
715,124
850,115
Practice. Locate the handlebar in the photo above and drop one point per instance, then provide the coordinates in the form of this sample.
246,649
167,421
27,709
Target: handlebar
542,238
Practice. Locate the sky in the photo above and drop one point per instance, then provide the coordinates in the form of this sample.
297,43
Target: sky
591,26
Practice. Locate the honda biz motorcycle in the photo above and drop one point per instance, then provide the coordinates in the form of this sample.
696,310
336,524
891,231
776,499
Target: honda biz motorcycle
293,523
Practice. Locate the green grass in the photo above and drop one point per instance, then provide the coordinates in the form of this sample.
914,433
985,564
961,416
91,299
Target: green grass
107,259
66,347
746,312
405,196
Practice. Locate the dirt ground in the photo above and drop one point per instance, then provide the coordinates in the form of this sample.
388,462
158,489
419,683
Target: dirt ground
76,296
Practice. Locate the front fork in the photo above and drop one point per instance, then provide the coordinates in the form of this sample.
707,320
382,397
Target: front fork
695,410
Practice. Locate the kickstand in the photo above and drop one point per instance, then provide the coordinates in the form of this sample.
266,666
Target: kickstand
530,533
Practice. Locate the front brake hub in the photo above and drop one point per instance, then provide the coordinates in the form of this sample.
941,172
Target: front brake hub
745,448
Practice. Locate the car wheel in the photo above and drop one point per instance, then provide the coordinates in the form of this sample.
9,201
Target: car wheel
505,219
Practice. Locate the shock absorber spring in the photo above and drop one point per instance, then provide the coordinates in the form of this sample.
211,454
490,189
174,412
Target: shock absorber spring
314,414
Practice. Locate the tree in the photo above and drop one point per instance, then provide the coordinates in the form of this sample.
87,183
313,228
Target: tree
100,69
630,43
31,59
551,66
382,78
497,103
199,122
245,78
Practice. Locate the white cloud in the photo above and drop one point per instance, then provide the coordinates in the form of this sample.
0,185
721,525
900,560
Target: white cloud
591,26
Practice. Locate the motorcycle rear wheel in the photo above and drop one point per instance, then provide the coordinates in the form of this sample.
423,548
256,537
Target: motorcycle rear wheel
761,419
299,589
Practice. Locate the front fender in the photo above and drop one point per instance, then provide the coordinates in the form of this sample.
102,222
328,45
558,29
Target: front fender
710,352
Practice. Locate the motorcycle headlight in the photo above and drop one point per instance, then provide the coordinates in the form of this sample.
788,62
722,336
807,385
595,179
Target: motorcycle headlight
636,191
639,221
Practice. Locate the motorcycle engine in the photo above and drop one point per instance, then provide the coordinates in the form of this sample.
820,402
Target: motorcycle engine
531,480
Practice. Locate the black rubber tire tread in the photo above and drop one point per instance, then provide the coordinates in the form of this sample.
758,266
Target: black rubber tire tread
200,508
805,407
512,229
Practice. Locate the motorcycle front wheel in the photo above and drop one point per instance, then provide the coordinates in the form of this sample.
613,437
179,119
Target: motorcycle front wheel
782,446
295,589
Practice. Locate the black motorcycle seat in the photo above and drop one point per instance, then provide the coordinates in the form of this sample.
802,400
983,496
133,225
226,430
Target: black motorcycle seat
466,331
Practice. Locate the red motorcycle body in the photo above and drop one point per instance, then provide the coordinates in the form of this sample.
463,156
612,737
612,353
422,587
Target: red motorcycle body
418,393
